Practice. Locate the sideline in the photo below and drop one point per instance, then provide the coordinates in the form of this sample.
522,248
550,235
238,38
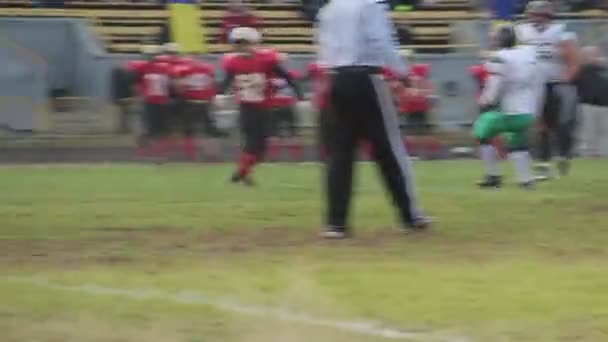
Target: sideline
193,298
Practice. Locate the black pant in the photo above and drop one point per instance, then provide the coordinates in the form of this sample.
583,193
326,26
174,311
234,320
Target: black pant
559,116
362,107
156,119
196,116
284,122
254,129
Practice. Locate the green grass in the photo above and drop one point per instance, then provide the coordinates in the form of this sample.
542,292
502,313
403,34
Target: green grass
501,265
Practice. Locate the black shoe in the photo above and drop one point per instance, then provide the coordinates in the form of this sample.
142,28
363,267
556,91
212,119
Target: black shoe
420,223
530,185
563,167
235,178
490,181
334,233
543,172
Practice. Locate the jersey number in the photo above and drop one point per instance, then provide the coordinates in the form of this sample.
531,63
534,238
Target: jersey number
158,84
251,87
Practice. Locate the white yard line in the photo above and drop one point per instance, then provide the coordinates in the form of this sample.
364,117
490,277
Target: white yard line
193,298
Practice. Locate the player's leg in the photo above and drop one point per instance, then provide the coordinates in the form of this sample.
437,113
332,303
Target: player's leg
274,140
247,158
160,130
379,122
172,126
188,120
549,122
210,131
518,128
486,127
291,132
145,139
341,139
568,113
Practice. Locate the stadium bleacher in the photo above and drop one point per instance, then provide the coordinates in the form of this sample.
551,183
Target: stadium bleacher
125,25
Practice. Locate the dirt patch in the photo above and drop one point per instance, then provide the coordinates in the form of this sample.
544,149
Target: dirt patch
124,245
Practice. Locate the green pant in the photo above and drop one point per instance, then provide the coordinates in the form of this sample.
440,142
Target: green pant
514,127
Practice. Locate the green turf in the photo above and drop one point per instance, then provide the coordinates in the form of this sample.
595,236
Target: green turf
501,265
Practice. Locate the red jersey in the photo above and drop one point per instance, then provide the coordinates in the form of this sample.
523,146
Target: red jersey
320,85
282,94
252,74
196,80
418,100
153,80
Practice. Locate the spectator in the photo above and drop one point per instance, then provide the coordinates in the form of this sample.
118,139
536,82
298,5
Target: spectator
592,84
420,98
237,15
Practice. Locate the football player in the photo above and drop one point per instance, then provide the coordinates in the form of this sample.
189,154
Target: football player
284,130
249,70
152,80
542,33
510,101
196,85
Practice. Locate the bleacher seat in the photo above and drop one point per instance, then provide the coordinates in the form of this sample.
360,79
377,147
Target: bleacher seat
124,25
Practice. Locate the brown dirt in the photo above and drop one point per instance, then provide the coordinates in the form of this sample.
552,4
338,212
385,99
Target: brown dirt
123,245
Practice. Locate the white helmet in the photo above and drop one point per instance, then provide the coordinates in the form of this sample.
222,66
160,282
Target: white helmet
247,34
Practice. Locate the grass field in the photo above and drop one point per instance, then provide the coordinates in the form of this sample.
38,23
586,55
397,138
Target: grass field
107,253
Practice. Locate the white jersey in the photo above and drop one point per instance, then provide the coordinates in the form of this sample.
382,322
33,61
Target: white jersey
512,85
545,42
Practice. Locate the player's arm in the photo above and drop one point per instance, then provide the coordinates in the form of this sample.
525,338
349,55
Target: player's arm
571,57
490,95
281,72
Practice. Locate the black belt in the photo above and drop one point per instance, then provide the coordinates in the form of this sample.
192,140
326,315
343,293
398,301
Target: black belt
366,69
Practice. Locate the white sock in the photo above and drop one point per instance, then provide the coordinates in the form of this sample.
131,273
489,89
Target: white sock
490,159
521,162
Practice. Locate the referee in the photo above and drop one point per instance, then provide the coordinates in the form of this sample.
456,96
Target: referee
355,42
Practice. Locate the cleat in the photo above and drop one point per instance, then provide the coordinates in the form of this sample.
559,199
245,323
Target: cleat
421,223
543,172
334,233
235,178
490,181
